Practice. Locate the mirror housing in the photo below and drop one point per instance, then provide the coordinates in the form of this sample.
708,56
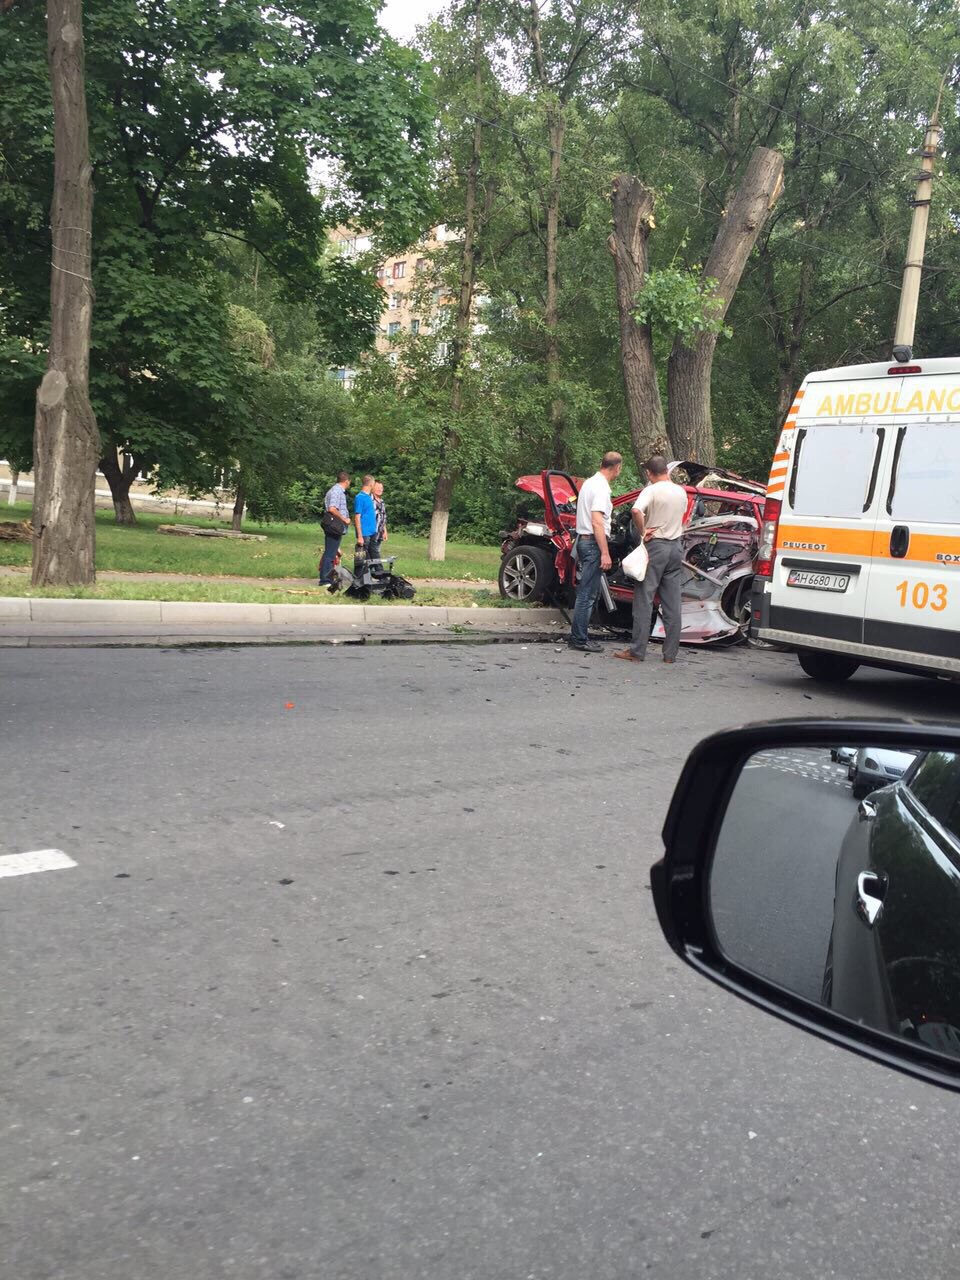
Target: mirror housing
681,879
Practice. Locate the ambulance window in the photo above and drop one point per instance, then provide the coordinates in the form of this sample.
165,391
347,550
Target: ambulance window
926,480
833,471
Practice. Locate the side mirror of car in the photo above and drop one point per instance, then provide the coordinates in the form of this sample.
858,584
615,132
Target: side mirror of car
813,869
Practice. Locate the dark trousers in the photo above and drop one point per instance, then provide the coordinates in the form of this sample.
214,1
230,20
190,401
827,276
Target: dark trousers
372,547
588,556
663,572
331,545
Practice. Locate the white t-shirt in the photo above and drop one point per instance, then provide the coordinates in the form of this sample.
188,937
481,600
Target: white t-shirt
594,495
664,504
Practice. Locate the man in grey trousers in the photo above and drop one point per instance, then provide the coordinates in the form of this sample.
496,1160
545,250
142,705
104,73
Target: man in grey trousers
658,514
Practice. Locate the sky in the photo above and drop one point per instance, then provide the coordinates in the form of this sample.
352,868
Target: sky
402,17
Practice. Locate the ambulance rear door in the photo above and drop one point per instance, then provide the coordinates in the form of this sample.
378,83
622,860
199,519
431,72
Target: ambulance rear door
913,591
828,518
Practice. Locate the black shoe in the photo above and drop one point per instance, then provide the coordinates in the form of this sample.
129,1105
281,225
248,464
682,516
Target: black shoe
587,646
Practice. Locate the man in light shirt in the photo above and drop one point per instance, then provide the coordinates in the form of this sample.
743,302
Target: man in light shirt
658,514
594,508
334,501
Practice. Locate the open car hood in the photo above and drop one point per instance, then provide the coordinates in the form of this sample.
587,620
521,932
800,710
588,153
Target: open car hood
561,491
697,473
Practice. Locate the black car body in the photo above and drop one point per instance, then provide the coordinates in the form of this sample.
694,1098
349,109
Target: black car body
894,955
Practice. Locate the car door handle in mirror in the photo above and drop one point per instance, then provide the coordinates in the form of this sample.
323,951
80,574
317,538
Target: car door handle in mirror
866,810
870,894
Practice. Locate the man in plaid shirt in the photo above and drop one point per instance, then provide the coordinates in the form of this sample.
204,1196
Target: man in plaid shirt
335,500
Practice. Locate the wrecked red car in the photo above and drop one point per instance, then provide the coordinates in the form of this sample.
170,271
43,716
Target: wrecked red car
720,539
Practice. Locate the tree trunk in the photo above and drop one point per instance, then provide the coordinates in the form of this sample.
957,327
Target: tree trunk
12,492
239,502
460,347
442,499
787,383
120,479
689,424
632,222
65,439
556,125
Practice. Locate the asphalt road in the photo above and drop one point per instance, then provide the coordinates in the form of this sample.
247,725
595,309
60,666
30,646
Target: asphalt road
369,986
774,869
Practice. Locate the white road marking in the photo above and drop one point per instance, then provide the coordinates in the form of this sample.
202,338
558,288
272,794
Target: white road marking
22,864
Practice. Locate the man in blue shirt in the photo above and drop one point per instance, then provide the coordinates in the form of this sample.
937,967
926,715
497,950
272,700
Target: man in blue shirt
365,514
335,500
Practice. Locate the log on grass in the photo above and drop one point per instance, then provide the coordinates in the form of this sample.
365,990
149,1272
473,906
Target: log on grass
193,531
11,531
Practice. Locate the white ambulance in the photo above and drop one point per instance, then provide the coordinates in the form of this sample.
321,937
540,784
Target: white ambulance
859,558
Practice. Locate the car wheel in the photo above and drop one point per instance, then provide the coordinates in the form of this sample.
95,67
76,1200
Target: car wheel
859,788
527,574
735,603
827,668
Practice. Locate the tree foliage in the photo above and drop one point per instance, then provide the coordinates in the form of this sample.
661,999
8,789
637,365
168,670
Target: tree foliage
212,126
210,123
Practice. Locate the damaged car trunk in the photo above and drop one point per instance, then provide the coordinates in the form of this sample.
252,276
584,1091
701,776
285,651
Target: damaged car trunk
720,541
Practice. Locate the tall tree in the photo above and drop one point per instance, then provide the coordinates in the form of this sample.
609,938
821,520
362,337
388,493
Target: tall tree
566,52
475,208
209,123
633,220
66,441
694,310
837,86
689,369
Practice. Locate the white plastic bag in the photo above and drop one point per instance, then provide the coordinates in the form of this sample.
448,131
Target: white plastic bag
635,564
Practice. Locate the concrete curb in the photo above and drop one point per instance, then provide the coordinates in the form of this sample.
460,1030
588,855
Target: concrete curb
24,609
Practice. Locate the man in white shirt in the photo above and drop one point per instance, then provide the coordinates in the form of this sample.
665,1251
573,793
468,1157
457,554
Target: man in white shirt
658,514
594,508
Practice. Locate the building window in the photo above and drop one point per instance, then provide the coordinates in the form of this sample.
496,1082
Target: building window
443,350
394,302
392,357
392,328
399,270
421,264
381,271
414,326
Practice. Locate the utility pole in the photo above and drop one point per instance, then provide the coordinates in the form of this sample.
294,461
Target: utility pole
913,267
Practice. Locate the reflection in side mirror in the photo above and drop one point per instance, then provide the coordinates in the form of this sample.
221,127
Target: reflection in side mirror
836,876
812,867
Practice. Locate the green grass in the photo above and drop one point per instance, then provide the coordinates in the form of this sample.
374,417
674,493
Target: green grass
237,593
291,550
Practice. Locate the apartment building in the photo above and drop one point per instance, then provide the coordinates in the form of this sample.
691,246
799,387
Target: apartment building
407,307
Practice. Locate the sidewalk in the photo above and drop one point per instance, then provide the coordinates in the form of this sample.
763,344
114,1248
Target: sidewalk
29,622
275,584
